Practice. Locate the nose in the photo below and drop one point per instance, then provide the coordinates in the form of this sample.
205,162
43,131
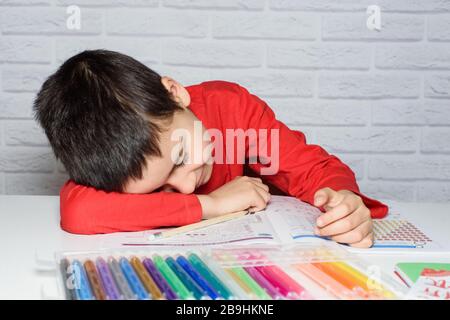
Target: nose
180,182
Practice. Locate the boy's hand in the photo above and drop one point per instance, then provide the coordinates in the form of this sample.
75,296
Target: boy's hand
241,193
346,220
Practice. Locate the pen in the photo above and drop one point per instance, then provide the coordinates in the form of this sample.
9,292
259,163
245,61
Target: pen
148,282
343,277
193,287
236,291
209,275
67,281
172,278
94,280
82,288
133,280
198,278
112,292
159,279
263,282
121,282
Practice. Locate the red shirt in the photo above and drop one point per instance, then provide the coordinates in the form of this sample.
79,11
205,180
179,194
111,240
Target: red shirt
303,169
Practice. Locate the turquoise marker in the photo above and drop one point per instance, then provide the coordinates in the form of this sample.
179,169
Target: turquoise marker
82,287
195,290
133,279
203,269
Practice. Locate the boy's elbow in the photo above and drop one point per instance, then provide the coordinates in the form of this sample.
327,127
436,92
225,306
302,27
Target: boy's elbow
74,218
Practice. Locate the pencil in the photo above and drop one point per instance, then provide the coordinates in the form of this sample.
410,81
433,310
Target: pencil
198,225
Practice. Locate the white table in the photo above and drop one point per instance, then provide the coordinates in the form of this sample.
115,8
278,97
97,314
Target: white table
30,234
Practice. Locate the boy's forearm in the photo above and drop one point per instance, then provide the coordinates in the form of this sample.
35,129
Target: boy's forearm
85,210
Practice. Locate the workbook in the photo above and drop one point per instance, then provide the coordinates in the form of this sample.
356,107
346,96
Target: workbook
285,220
409,272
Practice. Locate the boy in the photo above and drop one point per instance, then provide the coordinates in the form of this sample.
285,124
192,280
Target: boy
124,134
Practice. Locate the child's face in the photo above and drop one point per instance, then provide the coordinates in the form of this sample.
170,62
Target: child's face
162,173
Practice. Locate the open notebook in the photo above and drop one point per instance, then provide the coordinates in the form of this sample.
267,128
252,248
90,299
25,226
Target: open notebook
285,220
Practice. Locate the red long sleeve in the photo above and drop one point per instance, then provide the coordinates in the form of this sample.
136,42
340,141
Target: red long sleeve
303,168
86,210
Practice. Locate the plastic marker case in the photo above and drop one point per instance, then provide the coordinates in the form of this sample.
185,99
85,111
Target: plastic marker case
262,272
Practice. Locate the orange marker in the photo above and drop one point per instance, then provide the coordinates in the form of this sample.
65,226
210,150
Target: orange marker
363,281
94,280
325,281
147,281
343,277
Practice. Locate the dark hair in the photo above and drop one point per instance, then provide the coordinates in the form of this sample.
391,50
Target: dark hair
101,112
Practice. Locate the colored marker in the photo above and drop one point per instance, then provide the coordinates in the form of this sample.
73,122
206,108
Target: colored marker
146,280
82,287
363,281
343,277
210,277
236,291
69,288
172,278
201,281
263,282
327,282
188,282
121,282
133,279
283,282
111,290
245,281
159,279
94,280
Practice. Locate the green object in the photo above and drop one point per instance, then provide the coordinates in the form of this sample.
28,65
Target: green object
209,276
252,284
410,271
172,278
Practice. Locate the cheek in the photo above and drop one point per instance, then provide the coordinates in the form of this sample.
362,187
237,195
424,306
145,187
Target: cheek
140,186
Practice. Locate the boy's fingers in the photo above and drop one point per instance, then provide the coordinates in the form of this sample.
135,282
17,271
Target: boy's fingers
321,196
261,185
340,211
327,198
258,204
356,235
345,224
367,242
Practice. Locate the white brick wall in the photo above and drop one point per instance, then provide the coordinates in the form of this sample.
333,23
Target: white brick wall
380,100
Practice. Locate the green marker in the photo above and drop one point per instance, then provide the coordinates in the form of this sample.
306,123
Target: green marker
252,284
172,278
209,276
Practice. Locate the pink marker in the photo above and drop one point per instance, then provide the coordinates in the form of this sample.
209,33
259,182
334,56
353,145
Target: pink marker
281,281
264,283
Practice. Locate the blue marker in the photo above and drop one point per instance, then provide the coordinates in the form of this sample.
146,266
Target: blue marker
133,279
193,287
82,287
184,263
122,283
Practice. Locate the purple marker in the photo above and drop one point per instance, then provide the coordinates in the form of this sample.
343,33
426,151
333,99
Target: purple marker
108,282
159,279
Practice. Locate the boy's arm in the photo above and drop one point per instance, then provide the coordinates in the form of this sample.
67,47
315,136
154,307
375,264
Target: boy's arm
303,168
86,210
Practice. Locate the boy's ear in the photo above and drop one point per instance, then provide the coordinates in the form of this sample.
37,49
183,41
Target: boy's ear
174,89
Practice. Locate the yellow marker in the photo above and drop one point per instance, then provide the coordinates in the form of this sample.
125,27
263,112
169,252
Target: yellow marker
147,281
241,283
363,281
